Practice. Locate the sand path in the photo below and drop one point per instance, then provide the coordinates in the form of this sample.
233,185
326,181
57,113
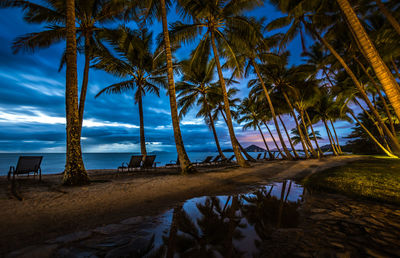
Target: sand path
49,210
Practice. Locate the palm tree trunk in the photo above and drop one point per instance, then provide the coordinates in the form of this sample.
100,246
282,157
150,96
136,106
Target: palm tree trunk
75,172
337,138
289,139
142,138
302,140
374,122
314,153
383,73
215,135
249,158
389,16
372,137
271,107
393,140
85,81
330,139
312,130
372,80
273,138
265,142
239,158
186,165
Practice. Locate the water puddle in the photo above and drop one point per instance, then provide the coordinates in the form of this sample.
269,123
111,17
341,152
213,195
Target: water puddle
210,226
225,226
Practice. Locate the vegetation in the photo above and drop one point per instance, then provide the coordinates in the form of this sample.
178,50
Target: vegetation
349,72
375,178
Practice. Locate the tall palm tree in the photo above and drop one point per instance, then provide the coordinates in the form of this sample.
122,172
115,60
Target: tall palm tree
75,172
215,17
146,11
194,88
383,73
144,69
90,15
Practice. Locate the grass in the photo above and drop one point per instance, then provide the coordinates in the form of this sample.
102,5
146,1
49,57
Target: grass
375,178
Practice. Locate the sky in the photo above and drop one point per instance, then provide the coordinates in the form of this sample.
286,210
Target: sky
32,104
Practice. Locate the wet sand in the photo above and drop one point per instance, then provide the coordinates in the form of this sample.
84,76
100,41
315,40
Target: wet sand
49,210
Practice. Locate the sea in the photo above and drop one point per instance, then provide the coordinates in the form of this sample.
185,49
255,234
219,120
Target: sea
53,163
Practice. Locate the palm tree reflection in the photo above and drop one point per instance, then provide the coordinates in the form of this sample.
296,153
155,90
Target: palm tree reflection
218,227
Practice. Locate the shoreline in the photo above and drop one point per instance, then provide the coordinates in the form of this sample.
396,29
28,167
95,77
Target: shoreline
50,210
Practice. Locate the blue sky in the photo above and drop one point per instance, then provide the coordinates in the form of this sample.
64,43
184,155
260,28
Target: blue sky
32,106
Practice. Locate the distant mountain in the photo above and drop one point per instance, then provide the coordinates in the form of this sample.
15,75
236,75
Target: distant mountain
227,150
254,148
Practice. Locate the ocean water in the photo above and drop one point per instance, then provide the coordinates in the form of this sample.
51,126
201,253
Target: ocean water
54,162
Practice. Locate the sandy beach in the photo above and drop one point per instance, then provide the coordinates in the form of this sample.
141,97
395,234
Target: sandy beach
49,210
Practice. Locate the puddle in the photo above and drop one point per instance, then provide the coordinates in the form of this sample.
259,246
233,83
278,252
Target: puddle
210,226
223,226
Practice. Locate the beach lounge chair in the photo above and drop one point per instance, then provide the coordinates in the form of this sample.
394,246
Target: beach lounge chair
173,163
207,160
258,156
216,159
148,162
135,162
26,165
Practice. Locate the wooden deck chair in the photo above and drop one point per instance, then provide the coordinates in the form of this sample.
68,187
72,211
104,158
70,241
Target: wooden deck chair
135,162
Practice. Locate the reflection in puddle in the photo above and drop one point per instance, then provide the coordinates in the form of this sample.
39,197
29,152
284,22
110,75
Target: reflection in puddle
226,226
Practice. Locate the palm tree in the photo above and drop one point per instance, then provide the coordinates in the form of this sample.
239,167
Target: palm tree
194,88
144,69
146,11
216,17
248,111
258,47
383,73
75,172
90,17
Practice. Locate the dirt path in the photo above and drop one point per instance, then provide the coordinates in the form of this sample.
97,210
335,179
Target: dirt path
49,210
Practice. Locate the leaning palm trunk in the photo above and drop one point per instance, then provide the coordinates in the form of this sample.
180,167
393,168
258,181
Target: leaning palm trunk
273,139
239,158
312,130
249,158
75,172
271,107
289,139
372,80
389,16
394,142
302,140
337,138
215,135
330,138
314,152
186,165
265,142
142,137
173,232
372,136
383,73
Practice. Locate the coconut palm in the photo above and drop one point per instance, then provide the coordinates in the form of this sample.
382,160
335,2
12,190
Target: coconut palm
194,89
215,17
75,172
90,15
249,113
258,47
301,15
146,11
367,47
144,69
